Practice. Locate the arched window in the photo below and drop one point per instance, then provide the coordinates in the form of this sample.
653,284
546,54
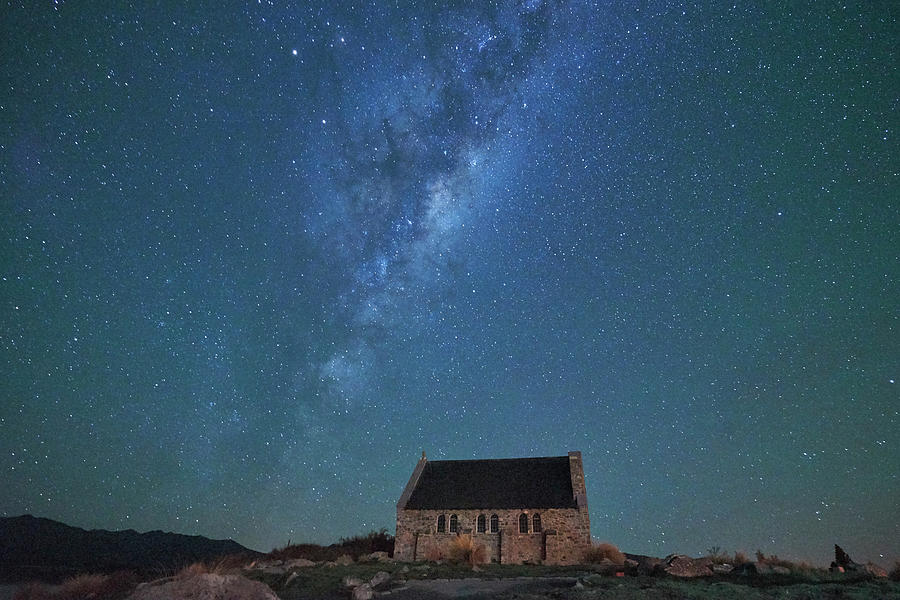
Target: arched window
536,523
495,524
523,523
442,523
454,524
479,524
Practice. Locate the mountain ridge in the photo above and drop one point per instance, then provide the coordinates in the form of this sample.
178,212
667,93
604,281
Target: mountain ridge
36,547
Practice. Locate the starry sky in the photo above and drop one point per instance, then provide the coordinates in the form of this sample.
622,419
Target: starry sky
255,257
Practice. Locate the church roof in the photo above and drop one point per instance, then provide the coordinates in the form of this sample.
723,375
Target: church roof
499,483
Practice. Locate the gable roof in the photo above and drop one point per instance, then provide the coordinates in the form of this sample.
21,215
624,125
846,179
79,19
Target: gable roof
499,483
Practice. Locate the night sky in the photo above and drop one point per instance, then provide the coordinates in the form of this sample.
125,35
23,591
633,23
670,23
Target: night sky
256,257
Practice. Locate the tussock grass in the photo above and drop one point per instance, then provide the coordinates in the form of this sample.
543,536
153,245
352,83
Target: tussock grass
434,553
114,586
604,550
463,549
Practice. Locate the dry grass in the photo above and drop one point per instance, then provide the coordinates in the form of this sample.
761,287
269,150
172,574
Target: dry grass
374,541
797,567
463,549
604,550
740,558
718,556
434,553
221,566
115,586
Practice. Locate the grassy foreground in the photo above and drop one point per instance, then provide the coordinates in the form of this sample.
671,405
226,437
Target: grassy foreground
578,582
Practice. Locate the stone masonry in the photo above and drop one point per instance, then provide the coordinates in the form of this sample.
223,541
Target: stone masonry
564,530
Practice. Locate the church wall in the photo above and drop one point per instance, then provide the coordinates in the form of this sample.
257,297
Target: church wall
565,536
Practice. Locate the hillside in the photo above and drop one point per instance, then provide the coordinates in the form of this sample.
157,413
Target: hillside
43,548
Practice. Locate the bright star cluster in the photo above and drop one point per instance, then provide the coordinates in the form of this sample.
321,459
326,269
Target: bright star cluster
255,259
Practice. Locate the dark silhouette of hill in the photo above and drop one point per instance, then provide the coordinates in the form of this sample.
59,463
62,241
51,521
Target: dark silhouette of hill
33,547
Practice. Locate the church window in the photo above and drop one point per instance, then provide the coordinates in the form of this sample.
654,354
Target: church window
480,524
442,523
523,523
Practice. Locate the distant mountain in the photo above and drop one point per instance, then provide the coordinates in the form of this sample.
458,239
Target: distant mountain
43,548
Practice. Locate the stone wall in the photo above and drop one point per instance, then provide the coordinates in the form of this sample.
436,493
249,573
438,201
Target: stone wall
565,536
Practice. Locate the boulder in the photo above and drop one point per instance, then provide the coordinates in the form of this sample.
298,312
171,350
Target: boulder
344,560
685,566
206,585
606,567
875,570
843,563
646,565
379,557
300,562
352,582
722,569
363,592
380,579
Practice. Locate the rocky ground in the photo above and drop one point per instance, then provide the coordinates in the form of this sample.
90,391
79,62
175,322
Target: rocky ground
377,576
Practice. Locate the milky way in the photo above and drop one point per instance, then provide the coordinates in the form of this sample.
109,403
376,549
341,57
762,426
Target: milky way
255,259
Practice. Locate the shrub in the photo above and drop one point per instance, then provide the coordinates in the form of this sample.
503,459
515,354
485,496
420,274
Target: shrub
463,549
895,572
740,558
604,550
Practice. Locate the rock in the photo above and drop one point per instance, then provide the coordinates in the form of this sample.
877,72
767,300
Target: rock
352,582
579,585
875,570
405,569
379,557
330,563
380,578
646,565
843,563
207,585
363,592
300,562
273,569
292,577
779,570
722,569
759,568
344,560
606,567
685,566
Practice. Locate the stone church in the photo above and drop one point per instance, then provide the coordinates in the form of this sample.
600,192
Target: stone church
521,510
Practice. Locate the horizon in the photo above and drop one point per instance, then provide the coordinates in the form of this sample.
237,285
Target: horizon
254,260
